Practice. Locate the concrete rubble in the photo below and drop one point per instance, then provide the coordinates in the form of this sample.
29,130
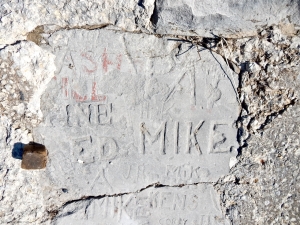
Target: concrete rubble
152,112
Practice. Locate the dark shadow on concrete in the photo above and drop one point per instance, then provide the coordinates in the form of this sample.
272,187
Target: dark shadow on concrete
141,4
17,151
154,16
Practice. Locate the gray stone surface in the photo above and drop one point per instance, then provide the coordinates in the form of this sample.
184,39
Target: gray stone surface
142,113
236,18
118,119
19,18
203,18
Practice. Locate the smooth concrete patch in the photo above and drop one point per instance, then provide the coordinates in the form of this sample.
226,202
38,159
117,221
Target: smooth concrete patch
133,110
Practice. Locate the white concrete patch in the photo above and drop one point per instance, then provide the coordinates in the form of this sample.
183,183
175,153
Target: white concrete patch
126,112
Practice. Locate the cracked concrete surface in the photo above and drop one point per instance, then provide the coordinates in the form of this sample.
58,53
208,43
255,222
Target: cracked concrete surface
263,188
152,112
138,207
134,116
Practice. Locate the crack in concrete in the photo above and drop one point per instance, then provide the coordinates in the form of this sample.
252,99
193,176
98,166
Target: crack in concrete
193,39
274,115
15,43
53,213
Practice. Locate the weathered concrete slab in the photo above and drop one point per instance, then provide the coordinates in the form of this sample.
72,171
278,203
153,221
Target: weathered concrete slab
23,20
128,112
119,118
19,18
224,18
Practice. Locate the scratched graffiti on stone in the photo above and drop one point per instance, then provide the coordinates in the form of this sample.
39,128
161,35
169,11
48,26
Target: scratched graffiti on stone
117,118
197,205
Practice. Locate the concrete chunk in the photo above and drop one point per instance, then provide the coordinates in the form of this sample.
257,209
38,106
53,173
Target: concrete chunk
234,18
130,118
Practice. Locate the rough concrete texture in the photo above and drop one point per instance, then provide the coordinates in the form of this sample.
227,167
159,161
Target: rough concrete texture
231,19
263,188
152,112
19,18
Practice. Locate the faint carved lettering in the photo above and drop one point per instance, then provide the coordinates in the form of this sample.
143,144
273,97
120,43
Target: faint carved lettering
214,94
176,86
219,139
166,200
176,135
192,137
179,202
160,134
88,114
108,148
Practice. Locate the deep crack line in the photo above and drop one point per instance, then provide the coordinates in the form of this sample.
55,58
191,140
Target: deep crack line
274,115
54,213
12,44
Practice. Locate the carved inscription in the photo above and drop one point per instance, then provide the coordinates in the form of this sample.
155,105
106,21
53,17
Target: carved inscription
177,86
170,173
216,136
192,137
141,206
89,115
90,148
160,134
155,206
219,141
118,119
82,115
200,220
184,173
